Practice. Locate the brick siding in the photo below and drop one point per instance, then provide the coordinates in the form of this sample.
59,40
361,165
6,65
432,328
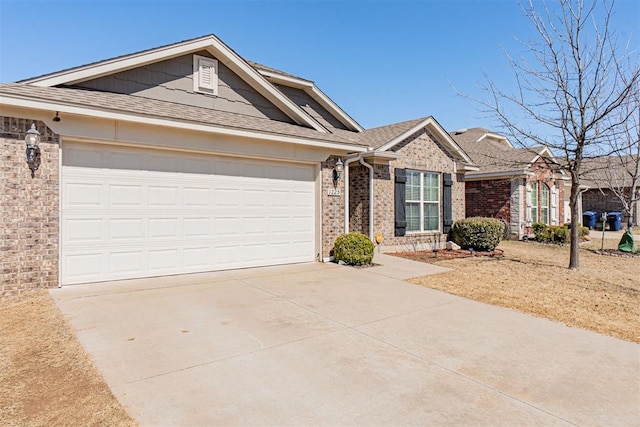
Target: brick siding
28,210
332,208
419,152
489,198
603,201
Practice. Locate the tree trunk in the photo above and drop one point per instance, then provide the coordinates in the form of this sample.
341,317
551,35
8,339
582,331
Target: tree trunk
574,254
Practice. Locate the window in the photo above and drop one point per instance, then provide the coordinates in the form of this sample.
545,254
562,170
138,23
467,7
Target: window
544,203
422,195
533,202
205,75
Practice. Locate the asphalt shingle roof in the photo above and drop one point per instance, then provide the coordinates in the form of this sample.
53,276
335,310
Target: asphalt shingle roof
131,104
493,156
377,137
607,172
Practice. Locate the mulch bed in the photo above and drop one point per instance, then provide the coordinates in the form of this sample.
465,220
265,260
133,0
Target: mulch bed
617,253
430,256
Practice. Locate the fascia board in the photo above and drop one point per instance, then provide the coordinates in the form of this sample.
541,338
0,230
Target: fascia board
339,113
286,80
210,43
468,168
112,115
114,65
312,90
501,174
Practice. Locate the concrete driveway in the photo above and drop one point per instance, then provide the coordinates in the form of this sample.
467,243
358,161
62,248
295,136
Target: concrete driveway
321,344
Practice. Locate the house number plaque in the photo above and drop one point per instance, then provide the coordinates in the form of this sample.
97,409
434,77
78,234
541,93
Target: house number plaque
333,191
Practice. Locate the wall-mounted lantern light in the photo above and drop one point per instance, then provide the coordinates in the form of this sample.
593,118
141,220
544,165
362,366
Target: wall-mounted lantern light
32,139
337,172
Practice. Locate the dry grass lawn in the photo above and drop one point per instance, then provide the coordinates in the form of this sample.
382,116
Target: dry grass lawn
603,295
46,378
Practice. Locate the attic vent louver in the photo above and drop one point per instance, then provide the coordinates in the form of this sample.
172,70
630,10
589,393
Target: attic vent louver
205,75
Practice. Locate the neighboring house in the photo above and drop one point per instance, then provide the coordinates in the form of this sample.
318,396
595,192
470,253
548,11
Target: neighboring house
188,158
516,185
601,176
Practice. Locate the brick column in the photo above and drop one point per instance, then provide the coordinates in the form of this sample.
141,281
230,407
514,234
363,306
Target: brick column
29,208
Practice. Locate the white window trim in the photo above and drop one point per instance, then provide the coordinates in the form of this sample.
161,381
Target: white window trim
198,84
546,207
533,189
421,202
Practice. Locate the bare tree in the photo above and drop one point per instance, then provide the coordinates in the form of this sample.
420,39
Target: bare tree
572,84
620,172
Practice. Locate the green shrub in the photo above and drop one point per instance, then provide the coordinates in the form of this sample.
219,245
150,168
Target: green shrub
353,249
481,234
556,233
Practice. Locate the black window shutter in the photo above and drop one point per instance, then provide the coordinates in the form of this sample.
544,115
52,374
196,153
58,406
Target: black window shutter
447,214
400,196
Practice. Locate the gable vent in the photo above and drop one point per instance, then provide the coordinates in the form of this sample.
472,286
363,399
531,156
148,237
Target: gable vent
205,75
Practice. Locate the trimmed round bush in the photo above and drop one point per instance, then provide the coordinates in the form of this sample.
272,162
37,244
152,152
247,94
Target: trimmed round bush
353,249
481,234
557,233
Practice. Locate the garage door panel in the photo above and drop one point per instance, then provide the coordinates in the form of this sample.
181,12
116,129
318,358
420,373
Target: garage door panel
79,194
130,195
126,229
83,230
126,262
163,196
84,266
197,227
176,213
164,260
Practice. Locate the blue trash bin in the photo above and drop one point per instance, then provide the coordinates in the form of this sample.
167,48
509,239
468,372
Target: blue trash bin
589,219
614,219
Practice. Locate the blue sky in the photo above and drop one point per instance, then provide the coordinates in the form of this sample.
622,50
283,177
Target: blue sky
381,61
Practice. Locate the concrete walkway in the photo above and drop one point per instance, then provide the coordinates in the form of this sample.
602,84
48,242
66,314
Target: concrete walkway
321,344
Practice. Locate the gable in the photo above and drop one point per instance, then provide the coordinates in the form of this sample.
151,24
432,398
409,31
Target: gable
172,80
208,43
422,151
311,106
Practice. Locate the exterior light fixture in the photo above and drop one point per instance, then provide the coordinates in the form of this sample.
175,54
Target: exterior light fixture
32,139
337,171
57,117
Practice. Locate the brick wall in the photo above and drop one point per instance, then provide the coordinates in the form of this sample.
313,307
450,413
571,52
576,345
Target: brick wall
332,207
419,152
28,210
604,201
359,199
489,198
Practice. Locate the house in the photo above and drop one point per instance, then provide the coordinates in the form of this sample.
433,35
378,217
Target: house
520,186
188,158
602,178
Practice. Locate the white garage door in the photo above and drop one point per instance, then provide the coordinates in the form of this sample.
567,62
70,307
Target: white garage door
129,213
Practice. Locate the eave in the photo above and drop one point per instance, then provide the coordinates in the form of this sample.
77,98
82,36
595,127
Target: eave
47,106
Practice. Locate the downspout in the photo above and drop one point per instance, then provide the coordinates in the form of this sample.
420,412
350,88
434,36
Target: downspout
367,165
